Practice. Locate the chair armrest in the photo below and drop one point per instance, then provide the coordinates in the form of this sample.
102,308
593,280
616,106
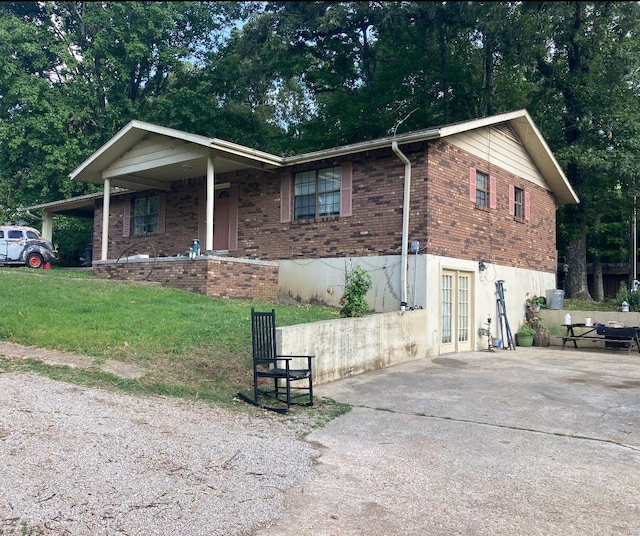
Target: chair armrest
289,356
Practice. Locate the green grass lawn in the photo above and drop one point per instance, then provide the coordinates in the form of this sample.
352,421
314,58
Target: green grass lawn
190,345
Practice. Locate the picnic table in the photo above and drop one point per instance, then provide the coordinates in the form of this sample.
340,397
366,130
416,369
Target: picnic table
613,337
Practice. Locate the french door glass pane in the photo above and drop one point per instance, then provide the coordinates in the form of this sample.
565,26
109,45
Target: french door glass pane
447,307
463,308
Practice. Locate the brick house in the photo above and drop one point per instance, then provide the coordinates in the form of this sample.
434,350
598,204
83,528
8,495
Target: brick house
435,216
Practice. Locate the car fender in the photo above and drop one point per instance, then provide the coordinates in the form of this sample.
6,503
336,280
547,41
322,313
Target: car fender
36,248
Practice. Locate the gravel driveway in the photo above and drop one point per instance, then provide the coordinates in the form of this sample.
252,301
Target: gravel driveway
80,461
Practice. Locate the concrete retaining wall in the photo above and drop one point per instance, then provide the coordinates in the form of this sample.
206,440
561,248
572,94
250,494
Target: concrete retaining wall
349,346
554,320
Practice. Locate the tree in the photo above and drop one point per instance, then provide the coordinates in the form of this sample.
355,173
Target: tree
74,73
585,104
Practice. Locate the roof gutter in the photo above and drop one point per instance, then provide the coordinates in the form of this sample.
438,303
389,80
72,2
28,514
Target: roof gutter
405,225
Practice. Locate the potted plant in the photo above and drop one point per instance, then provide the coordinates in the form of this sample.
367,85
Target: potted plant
535,303
524,337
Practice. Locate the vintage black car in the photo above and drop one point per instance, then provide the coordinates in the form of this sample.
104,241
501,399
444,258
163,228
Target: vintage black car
20,245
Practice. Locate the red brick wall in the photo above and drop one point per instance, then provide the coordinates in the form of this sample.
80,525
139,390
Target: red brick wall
222,278
181,225
457,228
442,219
375,228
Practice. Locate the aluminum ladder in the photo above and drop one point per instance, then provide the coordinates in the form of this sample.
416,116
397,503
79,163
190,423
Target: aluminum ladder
507,342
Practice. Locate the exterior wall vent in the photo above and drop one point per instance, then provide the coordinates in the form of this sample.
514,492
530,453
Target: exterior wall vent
506,129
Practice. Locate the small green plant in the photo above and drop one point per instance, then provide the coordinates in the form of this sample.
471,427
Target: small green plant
353,303
536,301
526,329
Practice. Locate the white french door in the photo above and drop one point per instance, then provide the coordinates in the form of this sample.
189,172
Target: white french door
456,311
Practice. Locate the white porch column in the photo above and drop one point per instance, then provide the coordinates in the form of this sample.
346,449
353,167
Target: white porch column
106,199
211,187
47,226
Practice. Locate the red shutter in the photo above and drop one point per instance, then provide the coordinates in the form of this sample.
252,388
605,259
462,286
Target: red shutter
285,198
126,217
233,217
472,185
346,186
161,213
512,200
493,194
527,206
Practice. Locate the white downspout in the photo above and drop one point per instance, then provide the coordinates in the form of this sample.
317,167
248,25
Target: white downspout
106,198
405,225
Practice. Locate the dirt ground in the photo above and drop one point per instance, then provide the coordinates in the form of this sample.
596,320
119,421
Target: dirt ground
53,357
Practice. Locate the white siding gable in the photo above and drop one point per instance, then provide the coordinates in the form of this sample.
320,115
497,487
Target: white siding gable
501,150
152,152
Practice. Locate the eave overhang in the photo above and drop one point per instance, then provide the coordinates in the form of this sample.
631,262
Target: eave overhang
521,123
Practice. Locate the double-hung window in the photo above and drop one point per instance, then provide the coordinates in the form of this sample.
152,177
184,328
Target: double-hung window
482,189
518,203
317,193
146,215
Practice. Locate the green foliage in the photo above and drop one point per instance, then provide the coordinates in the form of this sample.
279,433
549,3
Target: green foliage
526,329
536,301
353,301
626,295
72,236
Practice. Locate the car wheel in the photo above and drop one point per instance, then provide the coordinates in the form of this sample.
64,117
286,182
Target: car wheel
35,260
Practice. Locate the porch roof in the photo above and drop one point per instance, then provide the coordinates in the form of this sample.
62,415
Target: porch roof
143,156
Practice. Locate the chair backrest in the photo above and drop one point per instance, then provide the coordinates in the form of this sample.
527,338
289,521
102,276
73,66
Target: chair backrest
263,334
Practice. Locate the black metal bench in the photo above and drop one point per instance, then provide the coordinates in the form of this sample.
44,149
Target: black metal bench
273,374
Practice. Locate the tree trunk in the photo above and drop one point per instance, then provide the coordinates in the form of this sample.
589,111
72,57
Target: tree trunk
542,336
576,280
598,284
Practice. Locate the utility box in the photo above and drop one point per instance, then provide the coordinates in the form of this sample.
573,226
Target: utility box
555,299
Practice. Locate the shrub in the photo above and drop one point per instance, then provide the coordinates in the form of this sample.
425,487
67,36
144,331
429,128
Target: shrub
632,298
353,302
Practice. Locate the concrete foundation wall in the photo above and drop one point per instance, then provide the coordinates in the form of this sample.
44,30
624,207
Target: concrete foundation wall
350,346
322,280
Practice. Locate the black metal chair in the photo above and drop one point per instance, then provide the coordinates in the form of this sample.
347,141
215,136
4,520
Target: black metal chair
269,367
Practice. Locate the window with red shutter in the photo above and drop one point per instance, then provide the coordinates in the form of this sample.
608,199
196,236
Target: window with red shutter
317,193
